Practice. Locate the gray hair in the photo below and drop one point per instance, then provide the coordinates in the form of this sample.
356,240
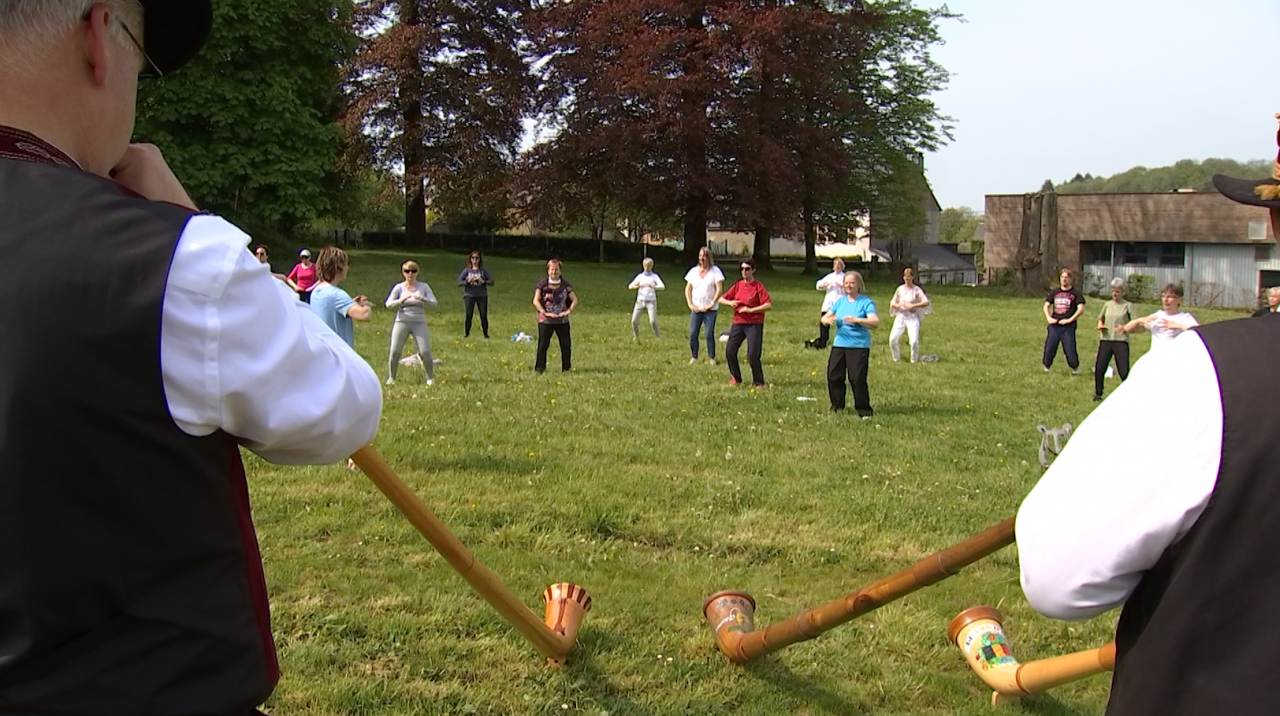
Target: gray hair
857,280
26,26
1117,282
647,263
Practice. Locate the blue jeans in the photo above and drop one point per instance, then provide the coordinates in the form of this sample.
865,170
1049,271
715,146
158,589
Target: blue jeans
696,321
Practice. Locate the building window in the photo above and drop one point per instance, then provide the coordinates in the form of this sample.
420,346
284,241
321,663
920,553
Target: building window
1262,253
1135,254
1172,254
1096,252
1257,230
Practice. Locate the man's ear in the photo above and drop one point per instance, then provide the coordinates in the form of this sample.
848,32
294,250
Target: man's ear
94,33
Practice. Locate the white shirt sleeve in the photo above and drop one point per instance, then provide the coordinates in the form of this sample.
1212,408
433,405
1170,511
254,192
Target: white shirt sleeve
239,352
1133,479
657,283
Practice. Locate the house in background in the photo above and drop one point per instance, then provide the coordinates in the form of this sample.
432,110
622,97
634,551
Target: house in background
1221,252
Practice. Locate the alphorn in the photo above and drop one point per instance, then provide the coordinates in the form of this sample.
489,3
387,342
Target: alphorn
566,604
979,634
730,613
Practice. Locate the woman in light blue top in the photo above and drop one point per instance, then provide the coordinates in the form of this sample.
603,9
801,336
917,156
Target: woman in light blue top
853,315
410,299
333,305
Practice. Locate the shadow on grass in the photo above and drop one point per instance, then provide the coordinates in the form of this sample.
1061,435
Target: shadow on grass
779,676
1045,705
589,680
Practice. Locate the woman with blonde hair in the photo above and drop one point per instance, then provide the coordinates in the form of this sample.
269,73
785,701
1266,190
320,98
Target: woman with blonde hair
833,284
646,284
703,286
410,298
908,307
853,315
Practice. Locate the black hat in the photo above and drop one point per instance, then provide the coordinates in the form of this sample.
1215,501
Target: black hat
175,30
1254,192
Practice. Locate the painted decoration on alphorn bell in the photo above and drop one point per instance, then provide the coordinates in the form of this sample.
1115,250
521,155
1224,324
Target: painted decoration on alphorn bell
987,646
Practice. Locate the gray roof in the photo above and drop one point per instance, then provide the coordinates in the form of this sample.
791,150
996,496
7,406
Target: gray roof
941,257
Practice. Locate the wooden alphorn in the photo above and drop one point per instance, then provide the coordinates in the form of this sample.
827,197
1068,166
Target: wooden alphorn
979,634
566,604
730,613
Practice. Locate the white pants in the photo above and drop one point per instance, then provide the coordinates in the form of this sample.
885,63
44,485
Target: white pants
400,333
641,307
911,325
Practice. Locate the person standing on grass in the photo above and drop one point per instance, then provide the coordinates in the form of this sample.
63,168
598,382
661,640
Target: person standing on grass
130,575
332,305
1061,309
1113,318
303,277
853,315
833,284
263,254
703,285
554,299
475,281
1273,302
1167,323
410,298
908,307
646,284
749,300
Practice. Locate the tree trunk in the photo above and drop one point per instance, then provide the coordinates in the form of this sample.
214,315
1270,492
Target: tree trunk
810,236
410,80
695,226
696,128
761,251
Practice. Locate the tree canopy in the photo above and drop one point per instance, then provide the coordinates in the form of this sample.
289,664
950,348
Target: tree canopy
1185,174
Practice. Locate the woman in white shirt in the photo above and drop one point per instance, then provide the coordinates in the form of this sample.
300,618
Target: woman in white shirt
410,298
1167,323
646,284
833,284
703,285
908,307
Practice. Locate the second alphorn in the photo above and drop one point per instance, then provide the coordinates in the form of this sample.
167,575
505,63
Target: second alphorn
566,604
979,634
730,613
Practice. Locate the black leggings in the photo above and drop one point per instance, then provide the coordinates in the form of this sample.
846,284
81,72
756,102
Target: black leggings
561,331
753,334
470,303
824,333
851,362
1106,349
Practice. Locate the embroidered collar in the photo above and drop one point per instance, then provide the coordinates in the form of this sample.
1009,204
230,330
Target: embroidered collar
27,147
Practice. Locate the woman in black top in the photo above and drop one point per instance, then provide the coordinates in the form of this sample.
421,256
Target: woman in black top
475,281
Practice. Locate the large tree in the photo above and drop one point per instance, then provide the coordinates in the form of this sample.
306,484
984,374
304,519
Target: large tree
251,125
438,88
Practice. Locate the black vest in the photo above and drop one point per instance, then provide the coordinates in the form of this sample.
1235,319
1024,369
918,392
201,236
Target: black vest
1201,633
130,580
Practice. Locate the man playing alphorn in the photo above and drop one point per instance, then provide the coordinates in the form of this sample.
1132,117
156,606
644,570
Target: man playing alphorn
1167,500
130,579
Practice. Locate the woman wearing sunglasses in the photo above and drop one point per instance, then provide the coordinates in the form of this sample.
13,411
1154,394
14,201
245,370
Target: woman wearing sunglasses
410,298
475,282
749,300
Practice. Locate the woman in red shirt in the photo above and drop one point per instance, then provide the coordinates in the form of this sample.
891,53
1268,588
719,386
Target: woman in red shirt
749,300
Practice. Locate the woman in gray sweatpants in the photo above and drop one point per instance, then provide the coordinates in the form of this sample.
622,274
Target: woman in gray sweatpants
410,299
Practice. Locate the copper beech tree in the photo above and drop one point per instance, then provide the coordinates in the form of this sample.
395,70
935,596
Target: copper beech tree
762,114
439,88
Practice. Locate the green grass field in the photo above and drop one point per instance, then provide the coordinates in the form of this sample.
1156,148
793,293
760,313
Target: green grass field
653,483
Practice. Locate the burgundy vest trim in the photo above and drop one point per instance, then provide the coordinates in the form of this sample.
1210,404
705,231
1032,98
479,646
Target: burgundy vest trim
27,147
253,559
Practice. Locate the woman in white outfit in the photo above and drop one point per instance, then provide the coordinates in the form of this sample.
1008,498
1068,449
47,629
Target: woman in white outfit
908,307
833,284
647,284
410,299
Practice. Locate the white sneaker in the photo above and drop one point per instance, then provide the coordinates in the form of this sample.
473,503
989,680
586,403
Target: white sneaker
692,361
1046,369
712,361
391,381
430,381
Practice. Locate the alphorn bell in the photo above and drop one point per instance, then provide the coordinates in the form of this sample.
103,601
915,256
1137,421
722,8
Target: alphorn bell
979,634
566,604
730,612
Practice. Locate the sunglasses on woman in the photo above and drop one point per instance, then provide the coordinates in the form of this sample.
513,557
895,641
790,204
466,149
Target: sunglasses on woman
411,270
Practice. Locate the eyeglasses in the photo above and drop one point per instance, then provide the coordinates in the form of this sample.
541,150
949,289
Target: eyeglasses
152,71
411,270
747,268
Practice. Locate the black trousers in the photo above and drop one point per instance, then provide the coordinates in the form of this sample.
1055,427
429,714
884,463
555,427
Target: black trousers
304,296
753,334
1066,335
561,331
851,362
1106,349
824,334
470,303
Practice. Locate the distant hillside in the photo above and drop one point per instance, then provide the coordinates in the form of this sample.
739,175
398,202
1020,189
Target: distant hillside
1186,174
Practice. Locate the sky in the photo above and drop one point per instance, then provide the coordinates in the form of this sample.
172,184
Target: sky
1043,90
